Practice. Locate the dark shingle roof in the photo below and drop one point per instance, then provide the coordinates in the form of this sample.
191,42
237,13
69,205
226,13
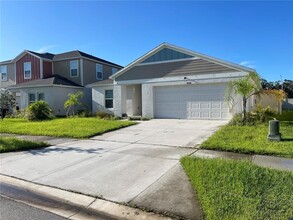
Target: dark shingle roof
49,56
68,55
97,59
77,53
53,80
6,61
100,83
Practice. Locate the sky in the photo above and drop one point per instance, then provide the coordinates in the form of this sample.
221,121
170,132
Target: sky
257,34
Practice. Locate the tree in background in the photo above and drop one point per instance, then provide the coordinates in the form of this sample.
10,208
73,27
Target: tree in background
287,86
7,101
73,101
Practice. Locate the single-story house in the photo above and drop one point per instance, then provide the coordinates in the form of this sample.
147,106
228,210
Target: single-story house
170,82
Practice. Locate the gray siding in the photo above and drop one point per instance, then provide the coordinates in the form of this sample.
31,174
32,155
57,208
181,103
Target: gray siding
10,76
89,71
190,67
62,68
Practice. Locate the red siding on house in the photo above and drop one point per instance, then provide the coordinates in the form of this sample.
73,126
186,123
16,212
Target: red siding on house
47,69
35,68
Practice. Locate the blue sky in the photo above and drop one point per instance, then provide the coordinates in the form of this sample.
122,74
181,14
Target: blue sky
255,34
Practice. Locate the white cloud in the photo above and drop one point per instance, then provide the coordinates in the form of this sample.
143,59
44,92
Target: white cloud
248,63
45,48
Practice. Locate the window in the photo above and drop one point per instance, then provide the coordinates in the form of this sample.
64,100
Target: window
109,98
27,70
74,68
99,71
32,98
114,70
41,96
3,73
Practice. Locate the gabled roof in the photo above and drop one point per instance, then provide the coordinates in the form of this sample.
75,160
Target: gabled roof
48,56
62,56
185,51
77,54
43,55
50,81
6,61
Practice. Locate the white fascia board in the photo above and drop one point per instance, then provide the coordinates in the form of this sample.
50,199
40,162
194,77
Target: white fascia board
102,85
186,51
181,78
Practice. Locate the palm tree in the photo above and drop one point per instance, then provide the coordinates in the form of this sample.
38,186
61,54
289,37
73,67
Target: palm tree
245,87
248,86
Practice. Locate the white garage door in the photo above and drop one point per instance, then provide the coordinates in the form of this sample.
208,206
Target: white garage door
191,102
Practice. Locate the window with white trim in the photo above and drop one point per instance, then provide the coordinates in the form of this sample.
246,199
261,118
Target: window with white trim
73,68
41,96
99,71
114,70
31,98
109,98
3,73
27,66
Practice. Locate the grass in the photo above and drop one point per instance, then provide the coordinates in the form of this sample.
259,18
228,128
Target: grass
285,116
8,144
252,140
240,190
62,127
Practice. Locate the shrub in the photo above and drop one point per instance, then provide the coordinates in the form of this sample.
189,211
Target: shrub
237,119
138,118
258,116
104,115
22,113
263,115
84,113
39,110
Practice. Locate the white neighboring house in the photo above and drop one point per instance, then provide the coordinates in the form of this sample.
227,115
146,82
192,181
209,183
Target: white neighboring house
170,82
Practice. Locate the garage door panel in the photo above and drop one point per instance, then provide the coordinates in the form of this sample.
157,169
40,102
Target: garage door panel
216,105
191,102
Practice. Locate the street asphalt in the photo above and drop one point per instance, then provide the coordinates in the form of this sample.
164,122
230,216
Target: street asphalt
13,210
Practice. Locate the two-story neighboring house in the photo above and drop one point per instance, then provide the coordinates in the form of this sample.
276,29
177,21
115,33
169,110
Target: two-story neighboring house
35,76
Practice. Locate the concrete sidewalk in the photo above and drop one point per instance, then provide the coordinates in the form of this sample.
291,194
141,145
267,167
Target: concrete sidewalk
279,163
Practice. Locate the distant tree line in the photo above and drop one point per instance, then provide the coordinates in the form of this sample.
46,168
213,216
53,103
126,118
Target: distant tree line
287,86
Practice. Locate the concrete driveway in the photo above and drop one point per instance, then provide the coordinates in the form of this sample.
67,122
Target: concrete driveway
137,165
166,132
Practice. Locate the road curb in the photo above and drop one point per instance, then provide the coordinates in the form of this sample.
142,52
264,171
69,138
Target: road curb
69,204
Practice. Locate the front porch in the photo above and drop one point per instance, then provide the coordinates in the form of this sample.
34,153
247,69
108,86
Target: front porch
128,100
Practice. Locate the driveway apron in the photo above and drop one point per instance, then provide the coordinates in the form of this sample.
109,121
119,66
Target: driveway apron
137,165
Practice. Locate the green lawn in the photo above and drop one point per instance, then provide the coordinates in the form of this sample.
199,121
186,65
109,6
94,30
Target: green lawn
62,127
240,190
251,139
8,144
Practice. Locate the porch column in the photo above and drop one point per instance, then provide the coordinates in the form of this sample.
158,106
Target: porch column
147,100
119,100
